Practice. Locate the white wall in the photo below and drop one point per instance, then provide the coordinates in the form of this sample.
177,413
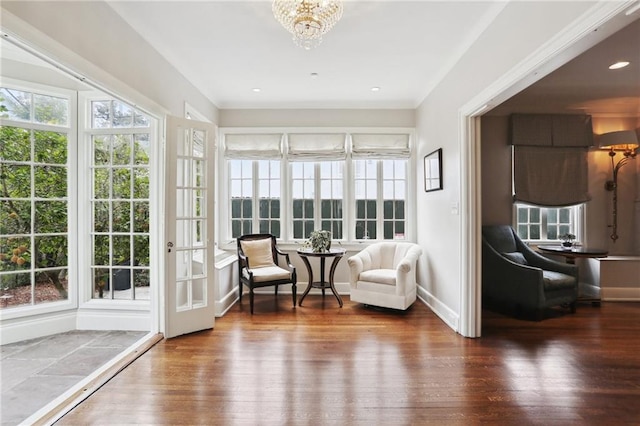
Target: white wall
93,40
521,29
317,118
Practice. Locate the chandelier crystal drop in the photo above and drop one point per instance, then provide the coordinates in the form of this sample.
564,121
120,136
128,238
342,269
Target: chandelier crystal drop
307,20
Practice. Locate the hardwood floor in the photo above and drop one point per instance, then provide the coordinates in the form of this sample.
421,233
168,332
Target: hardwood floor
320,364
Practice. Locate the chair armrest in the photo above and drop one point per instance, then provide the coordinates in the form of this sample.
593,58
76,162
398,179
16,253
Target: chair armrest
536,259
406,270
504,280
288,265
356,266
243,261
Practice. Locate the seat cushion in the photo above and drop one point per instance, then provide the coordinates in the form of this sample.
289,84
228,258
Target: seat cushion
382,276
557,281
258,252
268,273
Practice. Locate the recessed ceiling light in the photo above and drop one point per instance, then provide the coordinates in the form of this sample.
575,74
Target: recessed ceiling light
314,75
618,65
256,89
375,89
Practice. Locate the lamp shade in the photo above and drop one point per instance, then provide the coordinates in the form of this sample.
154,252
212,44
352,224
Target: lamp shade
622,140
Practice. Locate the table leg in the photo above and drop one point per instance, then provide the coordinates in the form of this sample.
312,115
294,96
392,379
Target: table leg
334,264
310,274
322,281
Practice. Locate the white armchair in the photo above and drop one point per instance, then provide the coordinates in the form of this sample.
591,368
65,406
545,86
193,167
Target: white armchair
384,274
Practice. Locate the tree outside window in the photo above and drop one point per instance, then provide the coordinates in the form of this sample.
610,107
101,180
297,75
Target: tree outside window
33,198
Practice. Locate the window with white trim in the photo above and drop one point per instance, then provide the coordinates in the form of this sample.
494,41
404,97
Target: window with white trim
535,223
313,175
35,187
119,137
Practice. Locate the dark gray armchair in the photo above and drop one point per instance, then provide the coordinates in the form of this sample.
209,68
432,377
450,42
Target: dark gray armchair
516,278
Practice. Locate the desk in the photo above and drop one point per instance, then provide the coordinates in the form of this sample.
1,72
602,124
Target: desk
336,254
570,254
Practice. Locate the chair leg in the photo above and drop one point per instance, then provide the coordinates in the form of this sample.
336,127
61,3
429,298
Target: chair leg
538,314
295,297
277,289
572,307
240,292
251,299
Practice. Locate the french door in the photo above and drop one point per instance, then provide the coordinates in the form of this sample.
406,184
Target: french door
189,222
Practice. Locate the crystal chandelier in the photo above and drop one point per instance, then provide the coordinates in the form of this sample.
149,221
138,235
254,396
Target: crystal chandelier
307,20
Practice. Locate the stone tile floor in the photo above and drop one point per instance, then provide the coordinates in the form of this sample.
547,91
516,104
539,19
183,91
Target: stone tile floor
35,372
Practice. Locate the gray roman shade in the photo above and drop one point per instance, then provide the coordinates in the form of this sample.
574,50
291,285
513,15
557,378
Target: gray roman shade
253,146
316,146
551,177
550,158
381,146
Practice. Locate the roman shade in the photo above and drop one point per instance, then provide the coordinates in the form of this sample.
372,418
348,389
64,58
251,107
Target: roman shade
557,130
380,146
550,158
316,146
253,146
551,177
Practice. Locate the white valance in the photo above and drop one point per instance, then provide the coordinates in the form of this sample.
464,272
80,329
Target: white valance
253,145
316,146
384,146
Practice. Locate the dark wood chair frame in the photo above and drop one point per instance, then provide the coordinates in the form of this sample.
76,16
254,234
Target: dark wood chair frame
243,263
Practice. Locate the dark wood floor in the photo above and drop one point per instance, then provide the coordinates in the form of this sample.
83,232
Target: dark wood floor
320,364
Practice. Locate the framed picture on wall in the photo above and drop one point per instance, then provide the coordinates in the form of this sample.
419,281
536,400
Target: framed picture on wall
433,171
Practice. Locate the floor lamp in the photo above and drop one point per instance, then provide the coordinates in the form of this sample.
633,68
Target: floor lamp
627,142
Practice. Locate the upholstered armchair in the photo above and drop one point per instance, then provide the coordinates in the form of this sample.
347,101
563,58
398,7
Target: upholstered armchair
259,265
516,278
384,274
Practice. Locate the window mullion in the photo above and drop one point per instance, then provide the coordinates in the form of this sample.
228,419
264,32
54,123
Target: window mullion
255,182
317,211
379,201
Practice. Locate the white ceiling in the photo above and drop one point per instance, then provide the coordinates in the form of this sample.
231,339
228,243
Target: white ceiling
227,48
586,84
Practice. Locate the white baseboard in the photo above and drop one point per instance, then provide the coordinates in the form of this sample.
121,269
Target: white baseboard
620,294
224,304
96,319
32,327
449,317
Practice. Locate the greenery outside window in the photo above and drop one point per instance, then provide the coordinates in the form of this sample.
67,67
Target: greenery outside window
34,197
120,151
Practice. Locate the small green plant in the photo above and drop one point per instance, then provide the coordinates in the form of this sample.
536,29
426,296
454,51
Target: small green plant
319,241
567,239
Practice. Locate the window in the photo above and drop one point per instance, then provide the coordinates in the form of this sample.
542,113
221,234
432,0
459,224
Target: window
366,195
35,141
241,182
317,194
320,183
266,202
535,223
303,179
120,149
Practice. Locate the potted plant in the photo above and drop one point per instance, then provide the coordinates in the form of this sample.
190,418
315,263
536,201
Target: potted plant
319,241
567,239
